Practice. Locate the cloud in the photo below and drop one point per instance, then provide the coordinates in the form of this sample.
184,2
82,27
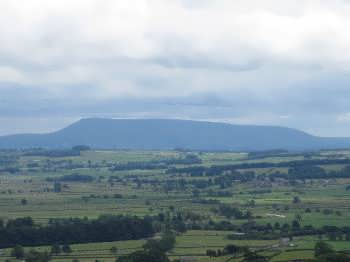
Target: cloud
241,61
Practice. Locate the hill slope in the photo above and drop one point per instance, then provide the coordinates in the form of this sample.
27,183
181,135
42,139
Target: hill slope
169,134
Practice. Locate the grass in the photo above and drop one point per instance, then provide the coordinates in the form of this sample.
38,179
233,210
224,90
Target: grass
93,199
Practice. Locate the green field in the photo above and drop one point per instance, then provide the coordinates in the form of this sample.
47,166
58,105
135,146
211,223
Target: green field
152,189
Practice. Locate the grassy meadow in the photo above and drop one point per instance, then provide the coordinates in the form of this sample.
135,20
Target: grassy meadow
29,192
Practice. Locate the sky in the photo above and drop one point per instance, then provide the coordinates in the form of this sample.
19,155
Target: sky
264,62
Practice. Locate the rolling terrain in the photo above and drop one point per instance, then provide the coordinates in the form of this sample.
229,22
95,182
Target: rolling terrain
210,200
163,134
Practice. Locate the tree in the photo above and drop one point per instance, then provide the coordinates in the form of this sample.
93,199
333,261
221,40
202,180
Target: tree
81,148
347,237
55,249
298,217
322,248
23,231
296,200
253,257
17,252
57,187
196,193
24,201
277,226
35,256
251,203
165,244
334,257
231,249
66,248
114,250
145,256
295,224
211,253
153,250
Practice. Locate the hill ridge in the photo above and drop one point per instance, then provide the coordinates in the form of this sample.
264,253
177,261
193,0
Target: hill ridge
157,133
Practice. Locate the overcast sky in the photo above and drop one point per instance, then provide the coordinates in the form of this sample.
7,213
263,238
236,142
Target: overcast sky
268,62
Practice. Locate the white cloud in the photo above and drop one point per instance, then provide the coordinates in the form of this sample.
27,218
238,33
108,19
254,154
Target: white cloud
264,58
343,118
8,73
57,33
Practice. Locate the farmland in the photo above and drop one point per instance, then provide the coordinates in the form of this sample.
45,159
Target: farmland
209,200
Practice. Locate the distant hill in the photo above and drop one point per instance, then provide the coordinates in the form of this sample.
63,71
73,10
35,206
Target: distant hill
169,134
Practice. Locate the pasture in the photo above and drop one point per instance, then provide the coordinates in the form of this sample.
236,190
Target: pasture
144,183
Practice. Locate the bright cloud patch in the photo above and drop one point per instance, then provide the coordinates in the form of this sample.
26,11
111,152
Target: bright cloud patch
239,61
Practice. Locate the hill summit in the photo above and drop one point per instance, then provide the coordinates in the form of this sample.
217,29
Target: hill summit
170,133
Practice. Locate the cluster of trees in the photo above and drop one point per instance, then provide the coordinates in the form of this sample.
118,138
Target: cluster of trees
6,159
188,159
74,151
25,232
153,255
314,172
61,164
226,172
196,171
52,152
58,249
233,250
181,221
105,196
31,256
81,148
9,161
325,253
216,170
225,175
219,193
252,230
137,165
309,172
270,153
227,250
232,212
35,256
181,183
71,178
9,169
153,250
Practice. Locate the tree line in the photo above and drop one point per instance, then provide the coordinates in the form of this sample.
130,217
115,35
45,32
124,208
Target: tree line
216,170
75,177
225,175
23,231
188,159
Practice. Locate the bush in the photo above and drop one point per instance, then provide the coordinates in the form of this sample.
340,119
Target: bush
114,250
35,256
17,252
55,249
322,248
66,248
211,253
